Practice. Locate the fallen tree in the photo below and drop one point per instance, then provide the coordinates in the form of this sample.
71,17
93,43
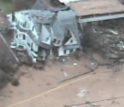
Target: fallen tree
107,38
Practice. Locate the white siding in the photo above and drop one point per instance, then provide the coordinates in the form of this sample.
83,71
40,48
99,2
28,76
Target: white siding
71,41
27,43
45,35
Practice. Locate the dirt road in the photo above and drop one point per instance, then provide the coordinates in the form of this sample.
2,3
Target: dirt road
43,88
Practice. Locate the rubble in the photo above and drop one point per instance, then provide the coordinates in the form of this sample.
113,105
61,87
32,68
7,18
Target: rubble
107,39
47,34
40,34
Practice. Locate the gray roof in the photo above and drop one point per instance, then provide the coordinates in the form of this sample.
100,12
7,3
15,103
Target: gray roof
62,24
66,20
39,5
67,15
44,17
58,30
39,43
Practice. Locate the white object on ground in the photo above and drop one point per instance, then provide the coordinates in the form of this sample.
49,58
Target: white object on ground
92,63
82,93
65,74
75,64
68,1
63,60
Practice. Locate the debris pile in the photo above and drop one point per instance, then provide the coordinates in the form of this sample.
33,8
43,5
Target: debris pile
107,38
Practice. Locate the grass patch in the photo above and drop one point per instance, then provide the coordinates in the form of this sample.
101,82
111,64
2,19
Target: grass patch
6,6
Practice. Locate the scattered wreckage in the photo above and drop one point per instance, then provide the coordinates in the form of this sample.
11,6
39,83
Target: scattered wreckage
44,33
108,39
40,34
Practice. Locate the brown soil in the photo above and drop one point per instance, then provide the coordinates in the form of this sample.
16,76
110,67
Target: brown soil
45,89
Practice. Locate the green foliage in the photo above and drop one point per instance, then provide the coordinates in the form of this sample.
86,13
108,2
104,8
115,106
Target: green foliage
6,6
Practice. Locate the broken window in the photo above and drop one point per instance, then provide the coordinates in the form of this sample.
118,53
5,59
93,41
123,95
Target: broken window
13,16
28,44
24,37
47,39
32,28
55,51
71,50
64,51
31,46
54,41
24,24
59,41
21,47
71,41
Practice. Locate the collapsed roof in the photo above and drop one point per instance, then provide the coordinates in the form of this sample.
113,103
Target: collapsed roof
57,23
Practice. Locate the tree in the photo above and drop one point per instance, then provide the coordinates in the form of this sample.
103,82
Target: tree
22,4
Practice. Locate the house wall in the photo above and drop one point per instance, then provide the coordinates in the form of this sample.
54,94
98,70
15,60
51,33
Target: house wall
57,42
71,41
10,17
64,52
23,20
45,36
24,40
54,40
21,38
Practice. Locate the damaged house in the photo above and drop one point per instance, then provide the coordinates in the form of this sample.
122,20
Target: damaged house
44,33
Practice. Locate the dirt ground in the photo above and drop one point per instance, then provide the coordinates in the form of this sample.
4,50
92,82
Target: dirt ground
46,88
